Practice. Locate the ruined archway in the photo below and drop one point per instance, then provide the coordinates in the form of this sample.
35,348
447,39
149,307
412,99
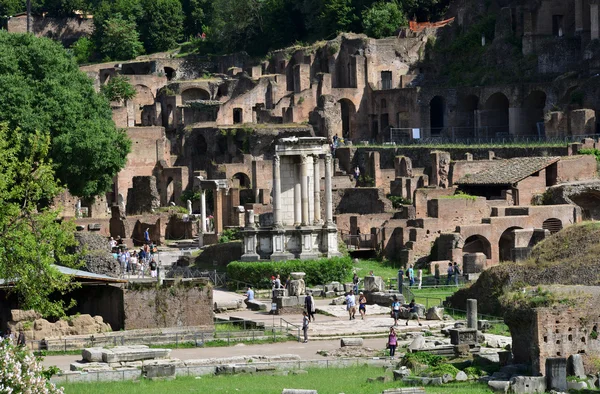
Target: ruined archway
478,244
466,117
242,180
143,97
348,113
553,225
437,115
533,113
169,73
194,94
495,116
506,244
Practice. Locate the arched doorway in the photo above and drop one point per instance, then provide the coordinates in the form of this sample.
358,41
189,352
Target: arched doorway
478,244
466,117
348,112
170,73
533,111
553,225
495,116
242,179
437,112
194,94
506,245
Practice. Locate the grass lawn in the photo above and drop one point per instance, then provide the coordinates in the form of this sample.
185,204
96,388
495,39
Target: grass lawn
384,269
327,381
432,296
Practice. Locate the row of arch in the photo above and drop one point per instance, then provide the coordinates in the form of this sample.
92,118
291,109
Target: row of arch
480,244
493,115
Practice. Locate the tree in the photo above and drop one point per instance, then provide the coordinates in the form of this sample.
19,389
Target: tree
32,238
197,13
161,24
336,16
120,39
383,19
118,88
83,50
43,89
236,23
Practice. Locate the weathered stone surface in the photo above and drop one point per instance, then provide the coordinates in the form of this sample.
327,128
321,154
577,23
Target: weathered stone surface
18,315
499,386
256,305
576,386
133,353
159,371
497,341
417,344
297,275
374,284
435,313
297,287
96,254
461,376
89,367
528,384
92,354
486,358
405,390
576,366
351,342
422,381
463,335
338,301
401,373
556,373
145,199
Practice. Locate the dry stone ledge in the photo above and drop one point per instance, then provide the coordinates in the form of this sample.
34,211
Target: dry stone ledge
528,384
435,313
374,284
89,367
133,353
351,342
159,371
298,391
18,315
405,390
92,354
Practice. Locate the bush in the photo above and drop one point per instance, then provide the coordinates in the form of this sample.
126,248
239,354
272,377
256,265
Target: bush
20,372
118,89
229,235
317,271
383,19
82,50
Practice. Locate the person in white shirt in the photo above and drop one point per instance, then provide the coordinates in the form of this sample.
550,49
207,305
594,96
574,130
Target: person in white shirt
351,304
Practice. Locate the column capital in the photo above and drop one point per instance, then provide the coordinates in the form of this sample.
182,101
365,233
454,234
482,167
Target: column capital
304,159
328,158
276,160
315,159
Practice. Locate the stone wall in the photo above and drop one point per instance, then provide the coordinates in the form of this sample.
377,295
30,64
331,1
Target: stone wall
219,255
97,258
361,200
66,30
186,304
143,197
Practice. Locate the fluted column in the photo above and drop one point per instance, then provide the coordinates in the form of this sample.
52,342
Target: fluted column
304,189
297,196
277,191
203,210
328,196
317,190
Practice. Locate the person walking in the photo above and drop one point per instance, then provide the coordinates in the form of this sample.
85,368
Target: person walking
362,305
355,281
351,304
309,304
450,273
305,323
413,313
456,272
392,342
400,280
396,310
410,272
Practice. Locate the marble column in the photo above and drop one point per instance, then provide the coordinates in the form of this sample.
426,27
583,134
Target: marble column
594,19
203,211
578,16
297,196
317,191
328,195
277,191
304,189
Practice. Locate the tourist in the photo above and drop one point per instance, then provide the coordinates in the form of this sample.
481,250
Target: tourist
351,304
287,282
413,312
420,279
362,305
277,282
10,335
400,280
392,342
133,262
456,272
305,322
356,174
309,304
112,243
436,275
147,236
450,273
153,268
249,294
123,260
396,310
355,281
411,275
119,240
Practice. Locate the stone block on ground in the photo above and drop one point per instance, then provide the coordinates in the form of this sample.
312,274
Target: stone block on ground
374,284
499,386
575,366
297,287
351,342
401,373
577,386
417,344
298,391
256,305
435,313
133,353
461,376
405,390
463,335
159,371
89,367
528,384
338,301
483,359
92,354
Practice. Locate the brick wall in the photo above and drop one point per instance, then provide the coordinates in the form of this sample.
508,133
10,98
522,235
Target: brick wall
66,30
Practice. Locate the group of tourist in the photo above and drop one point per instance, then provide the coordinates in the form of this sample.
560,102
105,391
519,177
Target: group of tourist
19,339
453,271
134,262
351,304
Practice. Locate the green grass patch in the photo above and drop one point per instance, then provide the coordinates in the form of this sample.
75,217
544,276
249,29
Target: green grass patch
433,296
327,381
385,269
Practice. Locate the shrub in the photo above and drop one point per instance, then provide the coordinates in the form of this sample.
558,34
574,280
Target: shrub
317,271
230,234
422,358
82,50
118,88
20,372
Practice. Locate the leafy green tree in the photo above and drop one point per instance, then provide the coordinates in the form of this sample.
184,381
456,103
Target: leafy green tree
83,50
161,24
383,19
11,7
43,89
236,23
118,88
336,16
196,14
32,238
120,39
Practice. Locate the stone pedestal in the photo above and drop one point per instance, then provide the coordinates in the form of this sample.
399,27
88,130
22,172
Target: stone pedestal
556,373
250,247
278,243
374,284
297,287
460,336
